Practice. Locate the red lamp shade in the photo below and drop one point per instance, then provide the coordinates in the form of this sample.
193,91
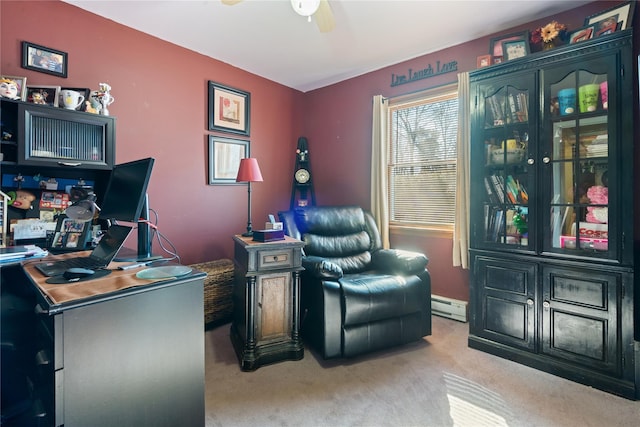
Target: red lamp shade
249,171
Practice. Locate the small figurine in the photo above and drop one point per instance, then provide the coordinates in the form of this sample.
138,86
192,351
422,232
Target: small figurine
104,98
39,97
8,88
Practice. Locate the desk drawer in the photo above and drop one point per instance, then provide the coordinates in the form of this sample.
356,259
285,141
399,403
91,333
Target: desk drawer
277,258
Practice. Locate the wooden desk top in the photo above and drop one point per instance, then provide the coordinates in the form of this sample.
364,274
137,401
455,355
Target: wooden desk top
117,280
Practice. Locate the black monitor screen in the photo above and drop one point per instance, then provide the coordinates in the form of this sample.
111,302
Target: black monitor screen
126,191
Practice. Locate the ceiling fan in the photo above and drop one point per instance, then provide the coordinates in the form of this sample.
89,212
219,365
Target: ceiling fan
319,9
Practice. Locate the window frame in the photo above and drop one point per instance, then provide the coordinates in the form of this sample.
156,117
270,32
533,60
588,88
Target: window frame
440,93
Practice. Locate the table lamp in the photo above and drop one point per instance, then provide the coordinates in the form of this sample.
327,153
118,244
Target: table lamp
83,209
249,172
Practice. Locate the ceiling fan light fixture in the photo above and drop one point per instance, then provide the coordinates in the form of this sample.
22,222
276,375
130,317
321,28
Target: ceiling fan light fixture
305,7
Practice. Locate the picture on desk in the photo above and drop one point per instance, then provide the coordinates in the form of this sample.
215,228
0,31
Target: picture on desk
70,234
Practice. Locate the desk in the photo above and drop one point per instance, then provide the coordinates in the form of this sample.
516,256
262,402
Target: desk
129,354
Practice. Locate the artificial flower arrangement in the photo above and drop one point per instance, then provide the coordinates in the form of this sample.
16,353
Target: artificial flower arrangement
553,33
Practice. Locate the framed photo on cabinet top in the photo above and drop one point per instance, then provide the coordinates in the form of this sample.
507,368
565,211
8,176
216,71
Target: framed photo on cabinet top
43,95
495,44
581,34
44,59
515,49
623,14
229,109
224,159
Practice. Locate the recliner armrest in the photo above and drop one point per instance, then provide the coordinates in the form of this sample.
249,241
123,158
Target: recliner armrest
321,268
398,261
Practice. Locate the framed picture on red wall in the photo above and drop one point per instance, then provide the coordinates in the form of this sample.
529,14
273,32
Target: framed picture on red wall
44,59
229,109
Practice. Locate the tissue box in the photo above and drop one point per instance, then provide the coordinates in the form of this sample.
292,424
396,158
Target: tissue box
267,235
273,226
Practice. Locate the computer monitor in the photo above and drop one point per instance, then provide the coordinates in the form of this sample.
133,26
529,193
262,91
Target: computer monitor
126,200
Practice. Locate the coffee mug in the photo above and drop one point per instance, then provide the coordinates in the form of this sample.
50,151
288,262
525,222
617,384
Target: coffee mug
512,144
588,97
567,101
71,99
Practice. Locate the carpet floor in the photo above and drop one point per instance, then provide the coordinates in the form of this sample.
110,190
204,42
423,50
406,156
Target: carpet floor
437,381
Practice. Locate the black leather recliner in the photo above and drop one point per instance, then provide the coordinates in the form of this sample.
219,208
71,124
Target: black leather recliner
357,297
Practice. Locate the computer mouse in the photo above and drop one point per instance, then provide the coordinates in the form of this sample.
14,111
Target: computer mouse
77,273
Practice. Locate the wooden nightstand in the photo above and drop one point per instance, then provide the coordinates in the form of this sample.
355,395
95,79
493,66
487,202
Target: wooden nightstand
266,300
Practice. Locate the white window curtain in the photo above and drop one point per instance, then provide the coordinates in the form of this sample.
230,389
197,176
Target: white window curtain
379,164
461,225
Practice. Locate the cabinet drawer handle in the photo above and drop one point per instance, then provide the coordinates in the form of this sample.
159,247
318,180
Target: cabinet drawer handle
546,304
529,302
530,161
546,160
70,164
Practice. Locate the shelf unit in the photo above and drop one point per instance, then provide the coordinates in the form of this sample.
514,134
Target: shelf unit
552,260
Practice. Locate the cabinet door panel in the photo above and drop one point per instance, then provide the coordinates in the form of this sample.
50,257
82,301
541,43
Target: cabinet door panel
506,294
580,317
274,306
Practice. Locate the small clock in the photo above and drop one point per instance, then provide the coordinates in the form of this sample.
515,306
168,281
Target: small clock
302,176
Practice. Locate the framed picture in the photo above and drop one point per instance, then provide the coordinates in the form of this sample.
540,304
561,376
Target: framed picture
224,159
515,49
44,95
44,59
495,44
70,234
85,92
483,61
13,87
623,14
608,26
581,34
228,109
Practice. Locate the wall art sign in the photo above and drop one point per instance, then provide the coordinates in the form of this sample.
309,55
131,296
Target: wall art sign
424,73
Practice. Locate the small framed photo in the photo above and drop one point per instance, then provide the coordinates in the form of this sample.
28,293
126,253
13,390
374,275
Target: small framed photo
607,26
623,14
515,49
224,159
229,109
483,61
495,44
13,87
581,34
70,234
43,95
44,59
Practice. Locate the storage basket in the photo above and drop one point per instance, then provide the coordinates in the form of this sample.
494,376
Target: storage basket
218,288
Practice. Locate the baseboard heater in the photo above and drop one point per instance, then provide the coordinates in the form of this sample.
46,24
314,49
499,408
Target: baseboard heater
449,308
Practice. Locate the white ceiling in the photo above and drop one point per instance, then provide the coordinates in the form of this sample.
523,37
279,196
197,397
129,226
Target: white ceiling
267,38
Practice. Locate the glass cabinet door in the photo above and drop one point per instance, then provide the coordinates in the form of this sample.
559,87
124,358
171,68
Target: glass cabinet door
504,141
578,140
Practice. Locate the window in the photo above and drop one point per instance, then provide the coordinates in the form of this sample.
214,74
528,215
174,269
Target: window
422,159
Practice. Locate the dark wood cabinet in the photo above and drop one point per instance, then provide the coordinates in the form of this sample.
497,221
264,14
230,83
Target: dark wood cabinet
552,268
45,136
266,302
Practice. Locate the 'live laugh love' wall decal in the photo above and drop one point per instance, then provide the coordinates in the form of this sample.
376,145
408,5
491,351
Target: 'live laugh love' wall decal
425,73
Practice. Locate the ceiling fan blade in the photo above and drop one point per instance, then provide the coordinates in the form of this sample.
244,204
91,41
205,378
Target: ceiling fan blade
230,2
324,17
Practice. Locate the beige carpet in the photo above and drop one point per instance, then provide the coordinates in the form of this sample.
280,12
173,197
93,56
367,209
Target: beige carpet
435,382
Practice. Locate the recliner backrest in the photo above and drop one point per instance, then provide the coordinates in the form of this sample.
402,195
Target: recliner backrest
344,235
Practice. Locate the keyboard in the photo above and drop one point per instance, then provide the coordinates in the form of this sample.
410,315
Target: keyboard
58,267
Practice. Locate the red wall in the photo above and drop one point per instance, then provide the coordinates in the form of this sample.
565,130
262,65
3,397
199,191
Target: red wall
160,93
340,138
161,108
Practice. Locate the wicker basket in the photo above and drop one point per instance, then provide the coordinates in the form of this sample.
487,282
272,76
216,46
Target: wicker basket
218,287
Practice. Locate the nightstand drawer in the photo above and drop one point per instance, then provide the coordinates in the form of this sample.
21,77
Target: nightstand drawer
279,258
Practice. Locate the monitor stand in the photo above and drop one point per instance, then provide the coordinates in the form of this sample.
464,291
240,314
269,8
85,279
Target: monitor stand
144,252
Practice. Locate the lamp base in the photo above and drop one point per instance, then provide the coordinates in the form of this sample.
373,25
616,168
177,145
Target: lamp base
247,234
